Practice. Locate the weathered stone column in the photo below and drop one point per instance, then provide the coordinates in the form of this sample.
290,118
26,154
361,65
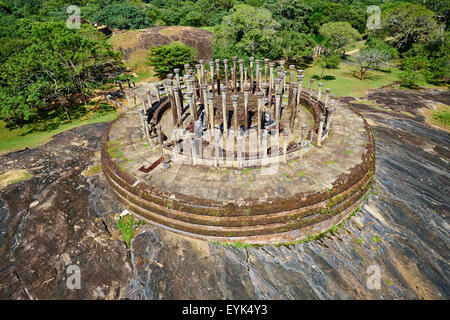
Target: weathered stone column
320,131
160,137
175,145
225,65
251,74
257,74
199,73
224,112
192,108
282,63
285,135
204,88
272,66
234,74
218,75
327,96
311,87
191,138
177,76
300,82
234,99
202,70
211,114
266,68
263,86
292,75
245,77
171,98
145,121
278,92
302,143
329,118
216,149
158,94
198,145
264,146
246,92
260,96
241,74
240,148
211,73
178,104
293,106
319,92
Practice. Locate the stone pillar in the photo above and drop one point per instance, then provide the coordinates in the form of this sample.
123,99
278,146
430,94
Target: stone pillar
264,146
329,117
198,145
327,96
199,73
282,62
292,75
266,68
175,146
271,84
145,121
192,108
300,83
191,138
260,96
246,92
177,76
158,95
216,149
173,106
178,104
311,87
293,105
160,137
204,89
202,71
257,74
285,135
278,92
251,74
234,99
263,86
224,112
320,131
241,74
245,77
211,73
234,74
319,92
211,114
225,65
240,148
302,143
218,75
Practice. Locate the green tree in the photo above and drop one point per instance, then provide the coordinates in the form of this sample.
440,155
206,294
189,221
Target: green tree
295,45
56,65
123,16
247,31
331,61
338,35
370,59
408,23
165,58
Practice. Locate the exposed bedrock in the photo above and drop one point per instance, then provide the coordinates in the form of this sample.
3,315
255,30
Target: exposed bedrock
402,227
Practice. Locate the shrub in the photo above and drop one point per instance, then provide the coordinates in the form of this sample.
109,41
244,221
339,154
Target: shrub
165,58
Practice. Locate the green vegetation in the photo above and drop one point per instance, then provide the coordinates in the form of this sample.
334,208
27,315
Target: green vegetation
442,116
128,226
94,170
164,59
31,135
14,176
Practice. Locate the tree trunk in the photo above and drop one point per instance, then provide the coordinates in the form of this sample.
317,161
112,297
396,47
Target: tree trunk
67,114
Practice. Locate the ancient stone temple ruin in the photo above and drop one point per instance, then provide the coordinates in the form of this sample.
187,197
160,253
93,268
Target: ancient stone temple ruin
239,151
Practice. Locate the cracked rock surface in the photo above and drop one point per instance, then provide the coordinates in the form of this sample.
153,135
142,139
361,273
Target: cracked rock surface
402,229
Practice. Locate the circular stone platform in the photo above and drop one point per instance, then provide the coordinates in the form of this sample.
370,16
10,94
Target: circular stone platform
307,193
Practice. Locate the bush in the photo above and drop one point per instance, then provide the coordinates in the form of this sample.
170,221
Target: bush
442,116
411,79
164,59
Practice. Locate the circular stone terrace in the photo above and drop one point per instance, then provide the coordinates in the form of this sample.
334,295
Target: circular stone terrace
305,173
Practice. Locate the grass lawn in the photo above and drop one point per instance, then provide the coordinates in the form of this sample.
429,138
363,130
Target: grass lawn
33,135
343,82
